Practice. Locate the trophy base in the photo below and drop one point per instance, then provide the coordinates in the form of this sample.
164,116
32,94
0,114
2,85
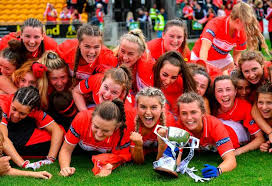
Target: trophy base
166,172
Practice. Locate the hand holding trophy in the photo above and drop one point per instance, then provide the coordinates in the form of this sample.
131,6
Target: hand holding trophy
176,139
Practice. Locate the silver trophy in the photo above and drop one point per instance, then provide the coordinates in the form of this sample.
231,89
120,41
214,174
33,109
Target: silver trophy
176,138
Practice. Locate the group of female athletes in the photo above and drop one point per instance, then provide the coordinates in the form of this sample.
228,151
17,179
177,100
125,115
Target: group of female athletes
109,102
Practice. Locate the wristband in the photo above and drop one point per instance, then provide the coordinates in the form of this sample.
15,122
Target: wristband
51,158
25,163
219,171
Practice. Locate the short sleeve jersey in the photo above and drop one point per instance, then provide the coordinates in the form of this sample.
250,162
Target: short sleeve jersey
80,133
217,31
156,49
91,85
49,44
67,51
241,112
41,117
214,135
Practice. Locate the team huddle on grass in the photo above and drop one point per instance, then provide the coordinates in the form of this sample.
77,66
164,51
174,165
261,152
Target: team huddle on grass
81,97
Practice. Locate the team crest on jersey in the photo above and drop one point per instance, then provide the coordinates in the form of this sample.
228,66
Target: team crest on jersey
222,141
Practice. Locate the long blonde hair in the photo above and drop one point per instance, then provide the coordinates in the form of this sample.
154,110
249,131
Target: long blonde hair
246,14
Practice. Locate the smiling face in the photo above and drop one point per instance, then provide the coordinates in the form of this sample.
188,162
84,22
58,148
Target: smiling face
201,83
173,38
18,111
243,88
225,93
90,47
264,105
149,110
252,71
109,90
101,129
32,38
191,116
168,74
128,53
6,67
58,78
28,80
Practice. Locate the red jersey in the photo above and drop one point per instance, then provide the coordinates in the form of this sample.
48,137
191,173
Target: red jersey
217,31
49,44
171,93
80,133
241,112
93,84
67,51
150,142
214,135
42,120
156,48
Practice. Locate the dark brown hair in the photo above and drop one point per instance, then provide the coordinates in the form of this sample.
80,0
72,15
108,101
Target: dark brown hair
175,59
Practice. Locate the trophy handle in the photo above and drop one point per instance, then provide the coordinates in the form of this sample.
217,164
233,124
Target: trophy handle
194,143
156,131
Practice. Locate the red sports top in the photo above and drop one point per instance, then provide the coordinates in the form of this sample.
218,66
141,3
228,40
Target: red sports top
93,84
241,112
49,44
80,133
172,92
42,120
67,51
217,31
156,48
214,135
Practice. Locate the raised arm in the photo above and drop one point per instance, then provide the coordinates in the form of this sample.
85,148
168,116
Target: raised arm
137,151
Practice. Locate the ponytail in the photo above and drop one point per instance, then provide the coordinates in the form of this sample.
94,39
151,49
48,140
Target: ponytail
122,118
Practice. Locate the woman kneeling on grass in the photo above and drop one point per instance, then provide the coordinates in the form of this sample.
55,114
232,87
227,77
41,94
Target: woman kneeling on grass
102,130
210,130
150,113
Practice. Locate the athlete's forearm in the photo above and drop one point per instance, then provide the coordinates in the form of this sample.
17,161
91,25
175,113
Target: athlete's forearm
79,99
137,154
10,150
